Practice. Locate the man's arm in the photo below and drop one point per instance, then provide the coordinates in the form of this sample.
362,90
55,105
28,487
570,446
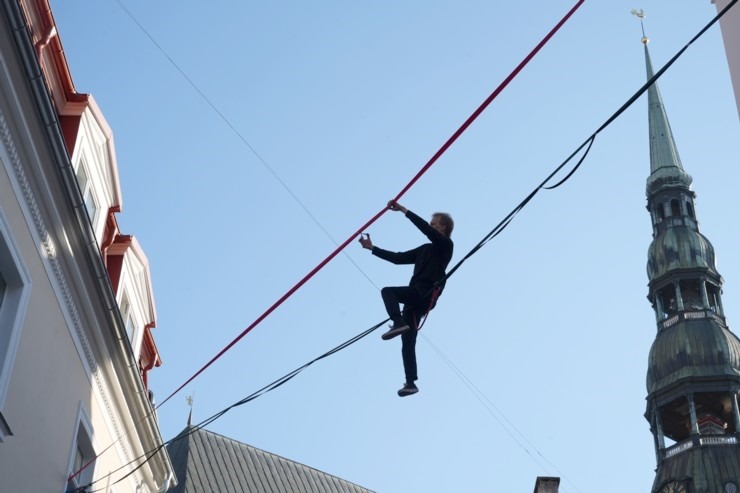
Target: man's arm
408,257
434,236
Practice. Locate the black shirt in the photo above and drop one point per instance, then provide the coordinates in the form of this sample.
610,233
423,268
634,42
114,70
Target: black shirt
430,259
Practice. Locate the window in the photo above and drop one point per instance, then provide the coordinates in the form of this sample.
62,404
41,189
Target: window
659,213
128,319
713,295
710,424
690,209
3,286
675,208
82,454
15,290
91,204
691,295
667,296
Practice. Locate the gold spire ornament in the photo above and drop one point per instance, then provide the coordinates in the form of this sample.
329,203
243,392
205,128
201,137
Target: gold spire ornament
640,14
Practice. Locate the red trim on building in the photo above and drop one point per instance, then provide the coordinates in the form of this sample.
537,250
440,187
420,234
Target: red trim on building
69,106
149,357
50,39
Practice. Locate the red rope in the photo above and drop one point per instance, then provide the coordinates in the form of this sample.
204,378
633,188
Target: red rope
490,98
341,247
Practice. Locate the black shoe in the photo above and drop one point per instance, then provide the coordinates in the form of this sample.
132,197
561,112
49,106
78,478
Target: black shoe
396,330
408,389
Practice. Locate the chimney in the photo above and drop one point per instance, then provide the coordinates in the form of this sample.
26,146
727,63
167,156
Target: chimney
546,485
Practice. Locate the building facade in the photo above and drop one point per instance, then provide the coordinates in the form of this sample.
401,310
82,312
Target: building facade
76,303
693,376
730,27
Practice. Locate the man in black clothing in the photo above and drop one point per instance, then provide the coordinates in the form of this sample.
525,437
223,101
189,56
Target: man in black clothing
430,261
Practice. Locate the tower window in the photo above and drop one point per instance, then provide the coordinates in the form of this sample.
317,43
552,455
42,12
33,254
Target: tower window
691,295
713,295
710,424
667,297
659,213
675,208
690,209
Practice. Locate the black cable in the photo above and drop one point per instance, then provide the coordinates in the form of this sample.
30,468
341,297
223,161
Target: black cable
588,143
505,222
267,388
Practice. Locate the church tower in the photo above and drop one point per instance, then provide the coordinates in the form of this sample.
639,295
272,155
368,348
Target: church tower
693,376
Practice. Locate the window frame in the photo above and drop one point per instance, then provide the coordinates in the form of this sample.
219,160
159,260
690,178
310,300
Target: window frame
127,314
82,440
87,190
12,311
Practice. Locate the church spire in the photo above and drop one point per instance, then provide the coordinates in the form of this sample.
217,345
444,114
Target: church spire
693,377
663,151
665,163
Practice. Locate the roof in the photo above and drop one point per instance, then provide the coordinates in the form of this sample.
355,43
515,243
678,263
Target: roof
693,349
666,170
206,462
680,248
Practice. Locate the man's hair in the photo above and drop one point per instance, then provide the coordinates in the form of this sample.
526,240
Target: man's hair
446,221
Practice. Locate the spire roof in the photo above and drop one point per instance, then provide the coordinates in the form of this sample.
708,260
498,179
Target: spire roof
665,163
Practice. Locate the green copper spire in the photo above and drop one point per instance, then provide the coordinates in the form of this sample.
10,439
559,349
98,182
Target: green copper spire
693,375
665,164
677,242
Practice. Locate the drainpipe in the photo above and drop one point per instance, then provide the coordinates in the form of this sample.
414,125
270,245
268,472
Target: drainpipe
110,233
51,31
145,371
167,482
50,122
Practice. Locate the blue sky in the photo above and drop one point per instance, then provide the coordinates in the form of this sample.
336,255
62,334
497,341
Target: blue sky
534,362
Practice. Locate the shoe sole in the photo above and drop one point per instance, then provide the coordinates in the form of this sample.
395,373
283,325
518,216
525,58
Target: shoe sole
394,332
404,393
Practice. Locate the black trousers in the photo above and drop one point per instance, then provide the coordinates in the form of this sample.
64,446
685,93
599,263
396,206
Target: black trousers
416,304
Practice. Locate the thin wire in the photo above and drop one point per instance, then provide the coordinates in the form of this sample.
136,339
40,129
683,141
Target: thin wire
236,132
354,235
495,412
497,230
290,375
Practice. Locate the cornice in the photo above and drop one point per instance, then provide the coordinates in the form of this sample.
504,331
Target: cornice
82,341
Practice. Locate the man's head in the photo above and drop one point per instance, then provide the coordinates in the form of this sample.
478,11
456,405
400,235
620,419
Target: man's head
442,222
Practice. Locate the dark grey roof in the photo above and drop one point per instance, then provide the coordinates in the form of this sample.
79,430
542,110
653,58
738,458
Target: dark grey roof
205,462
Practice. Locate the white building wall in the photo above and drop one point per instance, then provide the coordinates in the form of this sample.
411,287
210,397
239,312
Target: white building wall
47,378
51,377
730,26
69,362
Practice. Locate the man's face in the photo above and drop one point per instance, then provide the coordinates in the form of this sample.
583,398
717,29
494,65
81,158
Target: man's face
437,224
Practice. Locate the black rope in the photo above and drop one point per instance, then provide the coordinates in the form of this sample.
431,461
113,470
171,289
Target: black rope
267,388
588,143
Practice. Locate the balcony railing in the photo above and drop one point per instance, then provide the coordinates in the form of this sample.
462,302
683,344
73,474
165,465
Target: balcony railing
691,315
678,448
704,441
718,440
